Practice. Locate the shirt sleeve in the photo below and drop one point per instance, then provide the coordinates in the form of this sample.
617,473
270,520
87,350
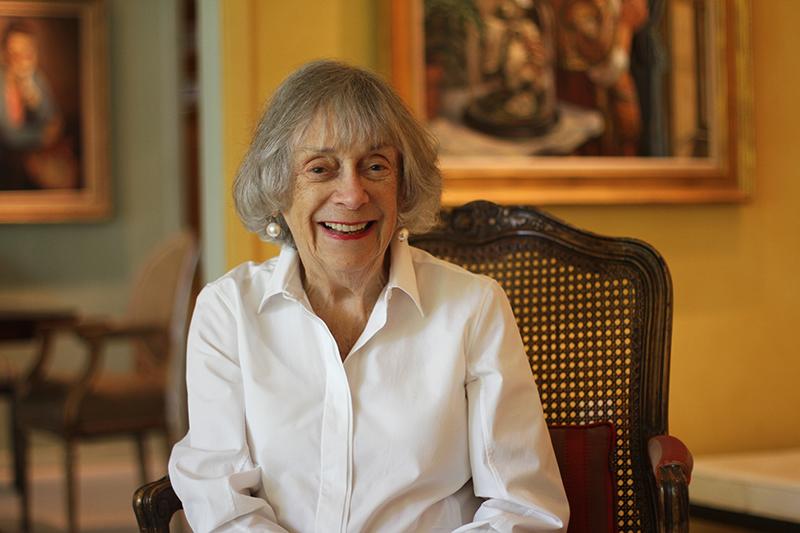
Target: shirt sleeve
513,464
211,468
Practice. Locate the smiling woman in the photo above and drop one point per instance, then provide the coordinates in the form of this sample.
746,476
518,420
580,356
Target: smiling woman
355,383
348,109
343,217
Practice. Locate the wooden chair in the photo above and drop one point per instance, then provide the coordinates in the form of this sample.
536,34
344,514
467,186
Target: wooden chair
97,403
23,325
595,314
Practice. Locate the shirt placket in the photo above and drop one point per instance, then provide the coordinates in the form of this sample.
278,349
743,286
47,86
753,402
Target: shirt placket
336,455
337,448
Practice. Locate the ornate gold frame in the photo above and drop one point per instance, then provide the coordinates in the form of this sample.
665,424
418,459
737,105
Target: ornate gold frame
92,200
604,180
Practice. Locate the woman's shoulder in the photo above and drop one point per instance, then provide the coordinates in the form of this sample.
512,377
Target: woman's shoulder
244,278
247,271
432,268
445,285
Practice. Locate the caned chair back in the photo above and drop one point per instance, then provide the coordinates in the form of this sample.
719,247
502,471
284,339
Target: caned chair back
595,317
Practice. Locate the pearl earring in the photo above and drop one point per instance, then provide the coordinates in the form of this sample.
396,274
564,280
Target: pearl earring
402,234
273,230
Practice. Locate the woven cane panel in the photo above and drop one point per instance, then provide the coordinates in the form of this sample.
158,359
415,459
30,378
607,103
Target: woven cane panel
580,320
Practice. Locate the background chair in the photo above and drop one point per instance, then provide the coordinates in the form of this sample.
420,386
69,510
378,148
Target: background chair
595,314
22,325
97,403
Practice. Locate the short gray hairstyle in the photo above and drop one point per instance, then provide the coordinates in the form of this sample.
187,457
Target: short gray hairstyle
358,106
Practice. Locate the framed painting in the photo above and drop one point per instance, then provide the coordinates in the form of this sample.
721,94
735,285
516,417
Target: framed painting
581,101
54,160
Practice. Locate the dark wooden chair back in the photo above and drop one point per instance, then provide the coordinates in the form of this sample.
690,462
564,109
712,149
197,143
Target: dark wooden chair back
595,315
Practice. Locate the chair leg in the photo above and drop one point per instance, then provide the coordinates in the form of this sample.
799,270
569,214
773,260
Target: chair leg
15,452
21,471
72,492
141,445
169,442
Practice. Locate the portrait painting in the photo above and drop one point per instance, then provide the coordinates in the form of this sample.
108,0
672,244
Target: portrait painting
52,112
581,101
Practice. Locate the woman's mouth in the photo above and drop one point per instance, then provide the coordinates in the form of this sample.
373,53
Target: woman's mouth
347,229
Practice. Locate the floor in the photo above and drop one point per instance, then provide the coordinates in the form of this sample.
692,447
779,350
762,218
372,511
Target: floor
704,526
108,476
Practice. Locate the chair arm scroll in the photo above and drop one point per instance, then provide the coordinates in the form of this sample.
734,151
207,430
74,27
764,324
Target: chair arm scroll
666,450
672,465
154,505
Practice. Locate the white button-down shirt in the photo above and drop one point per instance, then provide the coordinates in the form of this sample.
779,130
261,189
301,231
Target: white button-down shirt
432,423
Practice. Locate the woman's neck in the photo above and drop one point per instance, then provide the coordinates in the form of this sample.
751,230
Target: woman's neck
344,301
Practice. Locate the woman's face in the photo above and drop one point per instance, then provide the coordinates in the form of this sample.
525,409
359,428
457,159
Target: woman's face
344,204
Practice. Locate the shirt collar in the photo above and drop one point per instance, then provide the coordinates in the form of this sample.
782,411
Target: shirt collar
402,274
286,277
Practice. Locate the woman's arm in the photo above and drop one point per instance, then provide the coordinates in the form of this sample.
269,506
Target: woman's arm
513,465
211,468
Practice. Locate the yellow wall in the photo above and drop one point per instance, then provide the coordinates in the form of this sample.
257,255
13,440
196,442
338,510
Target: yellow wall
736,268
262,42
736,353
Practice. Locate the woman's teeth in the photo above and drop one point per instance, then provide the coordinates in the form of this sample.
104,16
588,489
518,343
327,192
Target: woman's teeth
346,228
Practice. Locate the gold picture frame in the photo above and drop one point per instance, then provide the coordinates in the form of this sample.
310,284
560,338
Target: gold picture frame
725,174
59,171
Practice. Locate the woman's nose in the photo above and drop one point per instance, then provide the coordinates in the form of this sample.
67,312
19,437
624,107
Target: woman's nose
351,192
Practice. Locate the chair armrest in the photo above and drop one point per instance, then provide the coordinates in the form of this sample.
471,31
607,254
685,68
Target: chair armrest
96,329
96,333
46,331
55,324
672,465
154,504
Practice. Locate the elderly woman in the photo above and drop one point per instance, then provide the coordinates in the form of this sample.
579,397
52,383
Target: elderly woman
355,383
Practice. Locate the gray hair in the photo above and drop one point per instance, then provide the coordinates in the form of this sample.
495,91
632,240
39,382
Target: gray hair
357,106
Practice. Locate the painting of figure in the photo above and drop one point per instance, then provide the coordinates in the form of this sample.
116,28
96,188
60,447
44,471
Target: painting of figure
39,104
561,77
594,56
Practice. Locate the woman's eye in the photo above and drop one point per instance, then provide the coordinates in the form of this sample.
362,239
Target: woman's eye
377,166
319,169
